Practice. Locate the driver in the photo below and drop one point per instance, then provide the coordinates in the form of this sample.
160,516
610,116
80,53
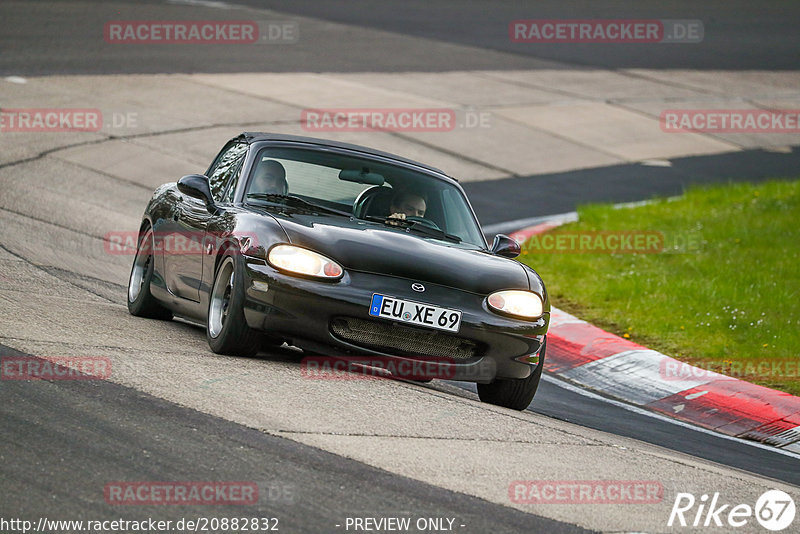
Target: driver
270,177
407,204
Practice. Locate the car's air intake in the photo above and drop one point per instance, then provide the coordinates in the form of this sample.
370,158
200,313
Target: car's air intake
405,341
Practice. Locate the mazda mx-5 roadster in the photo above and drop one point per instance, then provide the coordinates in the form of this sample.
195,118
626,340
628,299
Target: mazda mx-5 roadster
344,252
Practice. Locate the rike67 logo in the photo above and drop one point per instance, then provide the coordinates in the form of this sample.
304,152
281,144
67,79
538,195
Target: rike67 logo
774,510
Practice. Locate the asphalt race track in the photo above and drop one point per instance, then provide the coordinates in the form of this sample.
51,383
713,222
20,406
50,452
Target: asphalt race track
321,452
558,400
305,488
739,35
562,192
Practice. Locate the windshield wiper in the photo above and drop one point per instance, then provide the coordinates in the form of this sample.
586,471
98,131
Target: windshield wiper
420,227
296,201
434,232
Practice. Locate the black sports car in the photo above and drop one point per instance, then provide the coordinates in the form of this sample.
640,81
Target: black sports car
345,252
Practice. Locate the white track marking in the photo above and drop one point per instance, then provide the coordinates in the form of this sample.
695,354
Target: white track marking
202,3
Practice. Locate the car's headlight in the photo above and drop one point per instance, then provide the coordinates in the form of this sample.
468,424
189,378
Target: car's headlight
516,302
300,260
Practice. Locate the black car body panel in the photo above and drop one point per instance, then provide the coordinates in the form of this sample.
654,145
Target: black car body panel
372,247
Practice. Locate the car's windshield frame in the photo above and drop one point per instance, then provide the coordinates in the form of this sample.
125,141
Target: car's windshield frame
256,149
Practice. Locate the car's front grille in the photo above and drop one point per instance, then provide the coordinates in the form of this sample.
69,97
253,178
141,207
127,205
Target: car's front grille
406,341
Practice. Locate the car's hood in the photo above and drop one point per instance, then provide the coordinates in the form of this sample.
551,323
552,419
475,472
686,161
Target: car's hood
372,247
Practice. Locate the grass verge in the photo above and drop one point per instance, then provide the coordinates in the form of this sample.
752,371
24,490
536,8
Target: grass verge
714,281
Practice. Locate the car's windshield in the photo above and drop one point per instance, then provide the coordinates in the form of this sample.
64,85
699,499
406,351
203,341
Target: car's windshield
367,189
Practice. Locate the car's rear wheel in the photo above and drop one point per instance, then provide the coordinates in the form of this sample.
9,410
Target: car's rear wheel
141,302
226,328
514,393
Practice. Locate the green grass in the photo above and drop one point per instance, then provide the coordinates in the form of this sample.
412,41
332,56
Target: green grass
724,293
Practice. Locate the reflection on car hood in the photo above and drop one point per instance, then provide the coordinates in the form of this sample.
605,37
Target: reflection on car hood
372,247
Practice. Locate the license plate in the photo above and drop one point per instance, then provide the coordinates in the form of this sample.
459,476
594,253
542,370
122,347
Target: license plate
415,313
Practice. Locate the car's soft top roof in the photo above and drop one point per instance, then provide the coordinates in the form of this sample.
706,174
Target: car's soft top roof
251,137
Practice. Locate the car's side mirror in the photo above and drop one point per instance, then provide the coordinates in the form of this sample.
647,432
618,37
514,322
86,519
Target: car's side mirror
505,246
197,186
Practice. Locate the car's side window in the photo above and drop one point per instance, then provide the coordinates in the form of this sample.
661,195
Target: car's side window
237,173
225,168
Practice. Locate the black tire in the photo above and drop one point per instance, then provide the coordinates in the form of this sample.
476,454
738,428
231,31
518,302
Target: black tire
226,328
514,393
141,302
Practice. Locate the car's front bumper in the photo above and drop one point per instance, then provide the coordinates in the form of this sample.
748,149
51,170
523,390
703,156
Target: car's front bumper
305,311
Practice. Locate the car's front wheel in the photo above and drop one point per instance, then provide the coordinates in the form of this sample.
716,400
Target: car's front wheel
514,393
226,328
141,302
